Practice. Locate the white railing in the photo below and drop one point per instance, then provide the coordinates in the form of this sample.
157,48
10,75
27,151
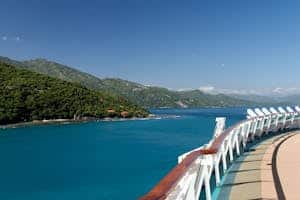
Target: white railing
200,171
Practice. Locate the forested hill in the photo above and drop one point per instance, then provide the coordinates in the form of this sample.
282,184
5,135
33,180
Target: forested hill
56,70
154,97
145,96
27,96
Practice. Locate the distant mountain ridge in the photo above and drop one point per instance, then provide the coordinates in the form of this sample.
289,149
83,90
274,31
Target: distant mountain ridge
270,100
291,99
255,98
146,96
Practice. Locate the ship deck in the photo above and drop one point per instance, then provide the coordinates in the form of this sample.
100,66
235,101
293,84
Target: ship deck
269,169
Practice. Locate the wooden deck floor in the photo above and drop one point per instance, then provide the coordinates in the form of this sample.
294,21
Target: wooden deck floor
251,176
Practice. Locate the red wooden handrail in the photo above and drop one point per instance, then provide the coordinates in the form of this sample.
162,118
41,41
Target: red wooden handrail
161,190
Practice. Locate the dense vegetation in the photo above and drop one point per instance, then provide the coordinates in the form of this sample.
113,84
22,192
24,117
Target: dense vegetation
149,97
27,96
56,70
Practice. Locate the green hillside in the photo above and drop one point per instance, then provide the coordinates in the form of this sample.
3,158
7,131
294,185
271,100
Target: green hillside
154,97
148,97
57,70
27,96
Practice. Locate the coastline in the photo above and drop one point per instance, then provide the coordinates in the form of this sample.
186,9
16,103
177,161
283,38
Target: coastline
72,121
42,122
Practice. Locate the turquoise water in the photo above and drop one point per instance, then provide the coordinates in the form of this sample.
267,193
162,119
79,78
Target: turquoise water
100,160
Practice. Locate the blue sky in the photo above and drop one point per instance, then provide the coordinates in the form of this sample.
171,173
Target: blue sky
242,46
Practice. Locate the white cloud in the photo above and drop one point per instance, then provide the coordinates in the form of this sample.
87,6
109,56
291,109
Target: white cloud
7,38
286,91
183,89
207,89
278,91
17,38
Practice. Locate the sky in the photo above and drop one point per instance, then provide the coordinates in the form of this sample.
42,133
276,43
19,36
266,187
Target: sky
242,46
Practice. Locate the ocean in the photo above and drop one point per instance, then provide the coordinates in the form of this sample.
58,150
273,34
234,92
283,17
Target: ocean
101,160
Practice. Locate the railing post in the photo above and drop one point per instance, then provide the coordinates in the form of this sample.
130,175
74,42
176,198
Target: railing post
224,158
276,121
297,120
269,124
247,131
207,185
230,146
262,125
292,119
253,128
236,140
284,119
256,128
191,193
217,172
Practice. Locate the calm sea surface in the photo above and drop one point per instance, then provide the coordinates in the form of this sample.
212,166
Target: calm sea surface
100,160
